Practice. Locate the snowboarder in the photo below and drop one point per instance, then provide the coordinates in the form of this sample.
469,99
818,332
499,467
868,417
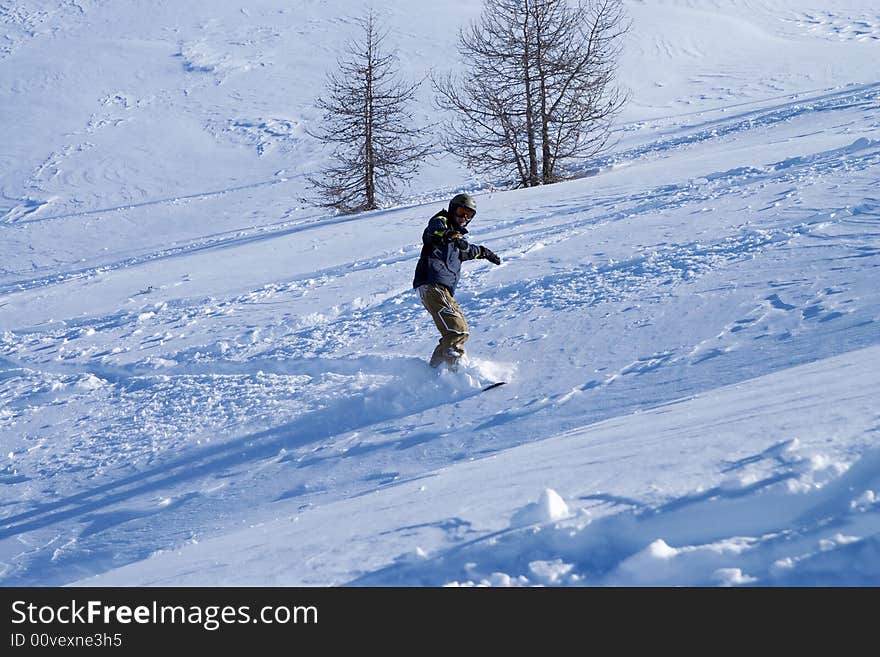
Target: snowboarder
437,273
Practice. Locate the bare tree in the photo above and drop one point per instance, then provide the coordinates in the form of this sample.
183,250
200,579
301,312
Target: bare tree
375,147
490,108
538,88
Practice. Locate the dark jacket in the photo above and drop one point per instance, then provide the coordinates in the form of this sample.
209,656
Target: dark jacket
443,250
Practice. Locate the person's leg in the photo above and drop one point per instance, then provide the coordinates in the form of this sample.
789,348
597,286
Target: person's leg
450,321
455,338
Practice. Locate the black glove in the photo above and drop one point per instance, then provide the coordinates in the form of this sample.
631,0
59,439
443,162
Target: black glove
450,236
488,255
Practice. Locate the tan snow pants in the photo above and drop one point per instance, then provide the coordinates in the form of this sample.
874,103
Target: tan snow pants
450,321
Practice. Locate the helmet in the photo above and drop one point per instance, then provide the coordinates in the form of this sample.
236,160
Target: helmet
462,201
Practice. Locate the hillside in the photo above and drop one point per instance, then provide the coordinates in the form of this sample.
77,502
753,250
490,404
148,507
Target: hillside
204,380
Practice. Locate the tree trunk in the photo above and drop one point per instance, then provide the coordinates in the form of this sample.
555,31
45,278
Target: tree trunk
369,154
533,179
546,148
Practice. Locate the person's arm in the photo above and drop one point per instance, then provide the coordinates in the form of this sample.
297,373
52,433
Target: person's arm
467,251
438,232
486,254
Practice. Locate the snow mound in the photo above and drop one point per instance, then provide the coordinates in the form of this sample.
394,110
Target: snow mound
550,507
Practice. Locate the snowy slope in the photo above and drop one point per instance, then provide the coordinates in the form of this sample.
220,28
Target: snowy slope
204,380
791,513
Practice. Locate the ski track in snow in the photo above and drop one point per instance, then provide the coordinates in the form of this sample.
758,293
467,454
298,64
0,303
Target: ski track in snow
837,26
